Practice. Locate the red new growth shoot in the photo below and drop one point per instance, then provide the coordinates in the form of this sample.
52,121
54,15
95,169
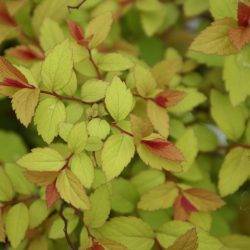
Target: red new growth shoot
243,15
164,149
52,194
169,98
5,16
27,53
77,33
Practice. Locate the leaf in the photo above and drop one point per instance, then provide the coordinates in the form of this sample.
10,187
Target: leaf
50,34
148,179
42,159
231,120
24,103
235,73
236,241
2,229
239,37
38,212
76,32
159,118
163,149
77,138
236,165
215,39
100,208
93,90
20,184
117,152
49,114
124,196
16,223
144,81
41,178
203,200
57,67
202,220
98,127
26,52
115,62
193,98
224,8
195,7
98,29
165,70
6,189
160,197
52,195
243,14
155,161
11,76
83,168
169,98
188,241
71,190
119,100
140,127
131,232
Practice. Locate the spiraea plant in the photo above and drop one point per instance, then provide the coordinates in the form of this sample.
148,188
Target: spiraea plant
132,127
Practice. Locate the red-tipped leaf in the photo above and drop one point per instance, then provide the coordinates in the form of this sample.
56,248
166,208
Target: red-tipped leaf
52,194
239,36
77,33
26,53
5,17
169,98
164,149
243,14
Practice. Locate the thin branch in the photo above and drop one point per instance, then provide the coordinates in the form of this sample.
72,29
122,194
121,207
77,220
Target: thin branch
99,75
65,229
76,6
69,98
122,130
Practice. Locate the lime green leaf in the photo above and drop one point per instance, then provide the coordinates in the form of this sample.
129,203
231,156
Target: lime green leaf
16,223
223,8
230,119
215,39
234,171
78,137
24,103
93,90
20,184
55,9
202,220
236,241
236,75
100,208
50,34
71,190
192,99
144,80
99,28
117,152
114,62
74,112
159,118
99,128
130,232
148,5
57,68
160,197
38,212
11,151
207,140
6,189
85,239
49,114
57,228
93,144
195,7
83,168
148,179
124,196
119,100
42,159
